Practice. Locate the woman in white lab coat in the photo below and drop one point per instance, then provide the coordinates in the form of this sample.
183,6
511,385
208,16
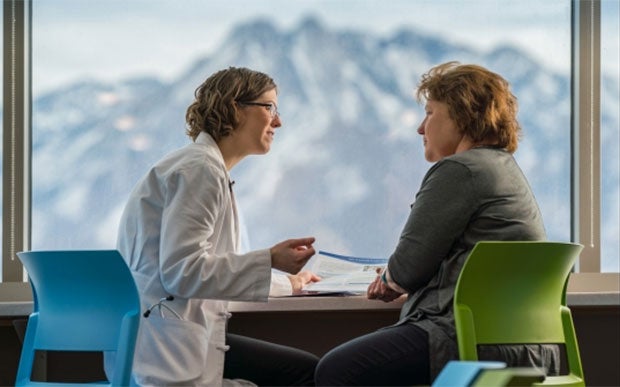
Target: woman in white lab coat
179,234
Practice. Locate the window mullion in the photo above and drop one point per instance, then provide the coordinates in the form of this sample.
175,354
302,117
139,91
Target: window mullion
586,131
16,137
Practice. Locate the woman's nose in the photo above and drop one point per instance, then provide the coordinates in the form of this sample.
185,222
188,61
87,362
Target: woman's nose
276,122
421,127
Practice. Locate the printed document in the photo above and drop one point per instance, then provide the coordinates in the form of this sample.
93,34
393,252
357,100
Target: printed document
342,273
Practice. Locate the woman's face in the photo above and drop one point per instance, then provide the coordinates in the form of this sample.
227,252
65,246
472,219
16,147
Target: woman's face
439,131
256,125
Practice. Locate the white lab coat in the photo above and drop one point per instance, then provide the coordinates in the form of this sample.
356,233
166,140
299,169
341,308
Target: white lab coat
179,234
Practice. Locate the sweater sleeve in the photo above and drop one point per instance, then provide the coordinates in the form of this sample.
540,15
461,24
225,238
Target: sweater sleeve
442,209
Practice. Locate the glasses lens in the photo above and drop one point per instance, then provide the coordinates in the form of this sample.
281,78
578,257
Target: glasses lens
273,109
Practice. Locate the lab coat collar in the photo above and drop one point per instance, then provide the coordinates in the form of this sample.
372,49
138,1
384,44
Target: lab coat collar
206,139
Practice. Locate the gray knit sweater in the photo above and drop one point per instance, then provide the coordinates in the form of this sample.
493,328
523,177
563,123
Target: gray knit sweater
480,194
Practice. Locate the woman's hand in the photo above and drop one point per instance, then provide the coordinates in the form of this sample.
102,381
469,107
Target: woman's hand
291,255
378,290
298,281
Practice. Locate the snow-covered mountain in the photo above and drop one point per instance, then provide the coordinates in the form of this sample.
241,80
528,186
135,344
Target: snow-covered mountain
345,165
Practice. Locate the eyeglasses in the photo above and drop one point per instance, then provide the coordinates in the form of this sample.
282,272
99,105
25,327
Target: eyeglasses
273,109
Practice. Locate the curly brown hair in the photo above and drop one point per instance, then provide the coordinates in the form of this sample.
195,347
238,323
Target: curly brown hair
214,109
479,102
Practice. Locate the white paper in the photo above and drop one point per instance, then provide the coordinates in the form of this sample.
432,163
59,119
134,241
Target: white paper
342,274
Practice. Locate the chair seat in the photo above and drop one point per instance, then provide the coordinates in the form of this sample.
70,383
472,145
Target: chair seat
563,380
513,376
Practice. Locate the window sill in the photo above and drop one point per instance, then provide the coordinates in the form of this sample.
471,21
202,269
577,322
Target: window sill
584,290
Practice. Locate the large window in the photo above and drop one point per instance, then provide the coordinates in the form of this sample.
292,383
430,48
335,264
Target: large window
348,160
111,82
610,135
2,117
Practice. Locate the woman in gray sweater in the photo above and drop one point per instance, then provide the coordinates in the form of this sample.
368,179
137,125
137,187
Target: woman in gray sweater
475,191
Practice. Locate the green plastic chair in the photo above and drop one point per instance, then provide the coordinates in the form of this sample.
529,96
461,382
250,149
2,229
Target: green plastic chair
516,376
515,293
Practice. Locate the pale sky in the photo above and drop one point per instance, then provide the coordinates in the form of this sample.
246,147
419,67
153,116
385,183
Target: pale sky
113,39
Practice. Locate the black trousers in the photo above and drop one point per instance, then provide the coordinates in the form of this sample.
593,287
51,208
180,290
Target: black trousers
391,356
268,364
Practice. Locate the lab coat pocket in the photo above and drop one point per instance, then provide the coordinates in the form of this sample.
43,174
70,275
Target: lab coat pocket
171,352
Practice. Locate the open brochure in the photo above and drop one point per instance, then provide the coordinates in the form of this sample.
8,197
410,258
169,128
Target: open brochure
342,274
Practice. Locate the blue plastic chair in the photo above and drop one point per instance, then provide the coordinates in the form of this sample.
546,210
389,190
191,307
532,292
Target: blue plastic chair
486,373
463,373
83,301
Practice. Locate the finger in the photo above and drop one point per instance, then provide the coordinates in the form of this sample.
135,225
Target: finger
301,242
305,254
309,276
369,290
371,294
372,290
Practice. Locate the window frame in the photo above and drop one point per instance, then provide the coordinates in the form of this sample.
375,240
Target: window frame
17,35
586,126
585,137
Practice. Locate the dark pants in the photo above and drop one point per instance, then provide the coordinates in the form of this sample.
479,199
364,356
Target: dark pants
268,364
392,356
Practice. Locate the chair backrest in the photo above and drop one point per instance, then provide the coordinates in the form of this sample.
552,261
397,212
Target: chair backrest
83,301
515,293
